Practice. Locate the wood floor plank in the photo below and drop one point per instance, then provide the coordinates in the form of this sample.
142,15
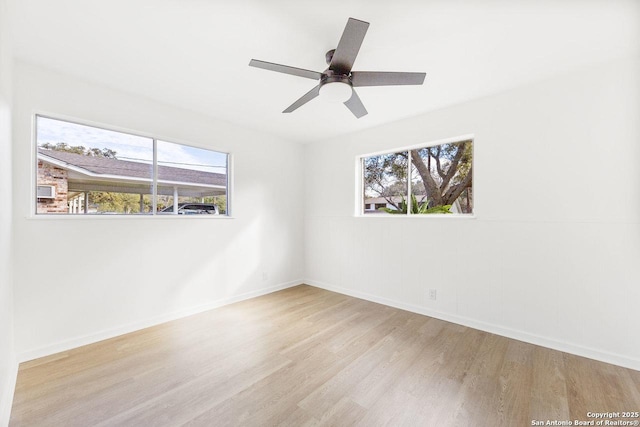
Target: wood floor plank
308,357
338,387
480,391
193,397
376,384
268,401
345,413
515,380
549,389
592,385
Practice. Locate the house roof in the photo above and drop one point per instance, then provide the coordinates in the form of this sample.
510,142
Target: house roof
125,168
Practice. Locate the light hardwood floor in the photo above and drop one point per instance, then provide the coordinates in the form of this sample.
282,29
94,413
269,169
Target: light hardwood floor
305,357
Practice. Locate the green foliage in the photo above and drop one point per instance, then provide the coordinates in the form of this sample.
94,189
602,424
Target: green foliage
219,201
80,149
385,175
418,208
108,202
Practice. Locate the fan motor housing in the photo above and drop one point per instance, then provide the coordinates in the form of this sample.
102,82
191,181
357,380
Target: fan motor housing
330,77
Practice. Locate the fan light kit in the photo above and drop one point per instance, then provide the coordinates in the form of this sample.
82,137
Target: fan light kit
336,92
337,82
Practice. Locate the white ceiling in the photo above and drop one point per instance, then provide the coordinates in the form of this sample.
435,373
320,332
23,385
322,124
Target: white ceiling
194,54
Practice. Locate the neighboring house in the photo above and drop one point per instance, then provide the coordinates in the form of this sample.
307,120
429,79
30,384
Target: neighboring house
65,179
373,204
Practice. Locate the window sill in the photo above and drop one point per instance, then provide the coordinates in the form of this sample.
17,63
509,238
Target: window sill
86,217
437,216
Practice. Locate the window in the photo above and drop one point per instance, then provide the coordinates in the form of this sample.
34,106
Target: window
88,170
433,179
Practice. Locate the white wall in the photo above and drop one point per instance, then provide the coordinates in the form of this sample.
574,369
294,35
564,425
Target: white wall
552,256
81,279
8,364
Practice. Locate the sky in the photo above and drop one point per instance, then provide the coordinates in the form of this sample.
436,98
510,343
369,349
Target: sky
129,147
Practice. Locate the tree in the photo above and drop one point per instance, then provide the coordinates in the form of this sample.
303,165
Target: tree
440,174
118,202
386,176
445,171
220,201
79,149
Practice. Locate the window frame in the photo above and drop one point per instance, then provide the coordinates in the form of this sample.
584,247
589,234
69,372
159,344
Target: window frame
154,184
359,181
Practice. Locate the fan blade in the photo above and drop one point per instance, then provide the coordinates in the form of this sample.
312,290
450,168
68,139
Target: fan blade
382,78
304,99
348,46
285,69
356,106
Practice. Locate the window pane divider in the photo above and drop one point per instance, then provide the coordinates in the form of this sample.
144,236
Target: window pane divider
154,185
408,182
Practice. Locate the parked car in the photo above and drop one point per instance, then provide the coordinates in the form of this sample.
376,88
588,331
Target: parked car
193,209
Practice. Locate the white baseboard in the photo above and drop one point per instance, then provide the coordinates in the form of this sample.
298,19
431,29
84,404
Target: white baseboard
6,395
136,326
591,353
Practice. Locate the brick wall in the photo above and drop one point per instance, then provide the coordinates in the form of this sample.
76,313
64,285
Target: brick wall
53,175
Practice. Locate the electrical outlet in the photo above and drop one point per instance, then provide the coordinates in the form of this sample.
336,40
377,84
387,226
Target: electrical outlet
433,294
265,276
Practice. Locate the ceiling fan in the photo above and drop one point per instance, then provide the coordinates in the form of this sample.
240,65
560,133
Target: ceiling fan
337,81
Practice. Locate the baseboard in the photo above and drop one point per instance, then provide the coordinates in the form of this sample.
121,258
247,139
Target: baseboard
578,350
6,395
136,326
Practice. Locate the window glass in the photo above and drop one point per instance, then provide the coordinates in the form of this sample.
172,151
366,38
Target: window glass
88,170
385,183
92,170
440,176
192,175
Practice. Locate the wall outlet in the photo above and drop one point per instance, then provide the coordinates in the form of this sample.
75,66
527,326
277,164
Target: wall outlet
433,294
265,276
